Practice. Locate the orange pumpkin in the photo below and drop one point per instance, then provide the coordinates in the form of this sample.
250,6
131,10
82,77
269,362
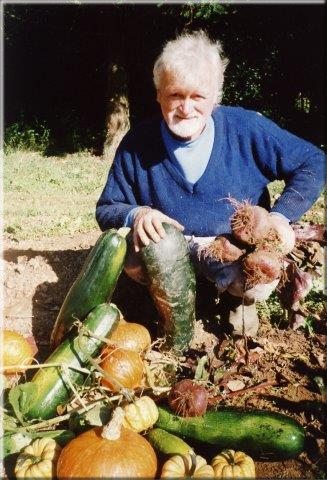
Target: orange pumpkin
16,351
114,452
124,368
131,336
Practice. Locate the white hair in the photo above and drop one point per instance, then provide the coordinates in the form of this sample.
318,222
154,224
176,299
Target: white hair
185,54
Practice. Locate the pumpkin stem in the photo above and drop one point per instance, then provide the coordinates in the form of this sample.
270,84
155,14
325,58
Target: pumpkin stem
112,430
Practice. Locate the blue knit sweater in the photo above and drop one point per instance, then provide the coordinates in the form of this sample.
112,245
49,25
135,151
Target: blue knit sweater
249,152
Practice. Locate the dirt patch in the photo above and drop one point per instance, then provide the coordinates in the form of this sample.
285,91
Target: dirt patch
275,371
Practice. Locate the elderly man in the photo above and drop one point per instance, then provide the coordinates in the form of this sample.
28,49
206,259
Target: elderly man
184,166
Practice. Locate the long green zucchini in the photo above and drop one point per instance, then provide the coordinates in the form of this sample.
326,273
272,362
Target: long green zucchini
53,384
264,435
172,287
94,285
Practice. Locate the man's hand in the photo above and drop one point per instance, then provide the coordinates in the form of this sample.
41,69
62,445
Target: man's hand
147,226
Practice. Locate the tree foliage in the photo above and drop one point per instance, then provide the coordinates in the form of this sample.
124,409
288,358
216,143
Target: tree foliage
57,59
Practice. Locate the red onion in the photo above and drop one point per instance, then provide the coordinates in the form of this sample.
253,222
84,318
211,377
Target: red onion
188,399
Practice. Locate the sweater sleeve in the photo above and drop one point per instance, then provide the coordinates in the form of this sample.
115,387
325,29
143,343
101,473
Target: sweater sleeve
299,163
117,199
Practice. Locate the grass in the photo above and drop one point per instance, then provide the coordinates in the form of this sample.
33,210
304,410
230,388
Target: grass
53,196
50,196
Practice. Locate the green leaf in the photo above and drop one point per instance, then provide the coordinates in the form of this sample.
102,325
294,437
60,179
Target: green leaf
21,398
200,372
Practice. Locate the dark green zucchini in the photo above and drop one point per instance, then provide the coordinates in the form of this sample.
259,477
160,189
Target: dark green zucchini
94,285
172,287
262,434
52,387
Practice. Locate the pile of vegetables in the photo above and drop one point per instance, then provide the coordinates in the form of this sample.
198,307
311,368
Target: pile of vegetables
97,381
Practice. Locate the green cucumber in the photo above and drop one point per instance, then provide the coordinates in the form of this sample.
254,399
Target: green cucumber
172,287
95,283
53,383
167,443
262,434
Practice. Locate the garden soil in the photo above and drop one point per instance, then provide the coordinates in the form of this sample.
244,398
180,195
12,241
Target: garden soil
275,371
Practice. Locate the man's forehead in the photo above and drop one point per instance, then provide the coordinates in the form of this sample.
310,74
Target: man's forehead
193,79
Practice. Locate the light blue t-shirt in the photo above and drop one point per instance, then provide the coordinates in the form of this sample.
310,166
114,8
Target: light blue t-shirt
190,157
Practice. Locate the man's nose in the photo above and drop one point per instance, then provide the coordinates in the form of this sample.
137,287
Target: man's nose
186,106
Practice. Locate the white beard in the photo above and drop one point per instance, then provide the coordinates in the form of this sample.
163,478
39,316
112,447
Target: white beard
186,128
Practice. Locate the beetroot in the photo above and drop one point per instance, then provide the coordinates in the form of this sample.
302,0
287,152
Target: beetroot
222,249
250,224
261,266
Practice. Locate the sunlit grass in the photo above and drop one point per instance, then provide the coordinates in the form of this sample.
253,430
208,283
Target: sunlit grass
50,196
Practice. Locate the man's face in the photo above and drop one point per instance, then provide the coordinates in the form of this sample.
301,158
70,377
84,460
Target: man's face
186,103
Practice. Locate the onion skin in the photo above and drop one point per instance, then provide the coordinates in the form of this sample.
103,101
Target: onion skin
188,399
124,367
250,224
131,336
261,266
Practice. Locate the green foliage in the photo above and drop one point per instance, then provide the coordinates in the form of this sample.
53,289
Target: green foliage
23,136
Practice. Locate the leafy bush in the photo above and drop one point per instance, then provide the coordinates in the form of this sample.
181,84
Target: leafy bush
22,136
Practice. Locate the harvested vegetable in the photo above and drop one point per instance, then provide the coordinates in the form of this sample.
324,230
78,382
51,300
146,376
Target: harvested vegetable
188,398
172,286
167,443
131,336
261,266
38,460
222,249
262,434
95,283
16,351
187,466
231,464
140,415
123,368
250,224
109,452
54,384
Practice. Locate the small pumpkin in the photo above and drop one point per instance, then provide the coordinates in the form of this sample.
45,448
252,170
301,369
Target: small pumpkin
188,465
124,368
16,351
231,464
109,452
141,415
131,336
38,460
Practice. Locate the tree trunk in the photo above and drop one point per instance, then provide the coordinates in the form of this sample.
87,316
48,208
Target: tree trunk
117,110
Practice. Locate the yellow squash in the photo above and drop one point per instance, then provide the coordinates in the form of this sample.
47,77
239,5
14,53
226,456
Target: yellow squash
38,460
231,464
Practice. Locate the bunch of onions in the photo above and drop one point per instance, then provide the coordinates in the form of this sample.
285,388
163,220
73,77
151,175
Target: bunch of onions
188,398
